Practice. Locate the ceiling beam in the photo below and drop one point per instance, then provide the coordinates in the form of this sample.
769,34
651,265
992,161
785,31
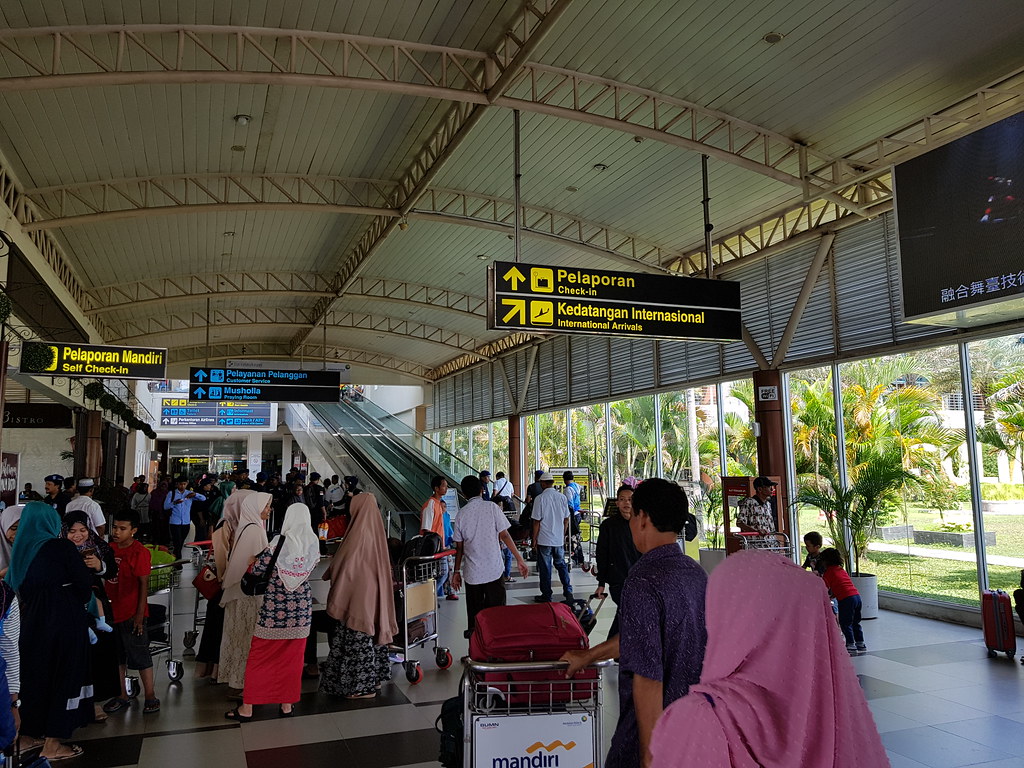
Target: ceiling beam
170,290
269,350
87,203
160,326
532,25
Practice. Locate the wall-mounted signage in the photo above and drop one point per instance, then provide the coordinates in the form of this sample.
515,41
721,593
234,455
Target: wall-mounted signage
179,413
93,361
272,393
9,478
343,369
570,300
265,376
36,416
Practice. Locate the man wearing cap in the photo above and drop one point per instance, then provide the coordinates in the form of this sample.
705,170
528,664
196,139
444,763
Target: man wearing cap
550,527
485,482
84,502
56,496
755,513
179,503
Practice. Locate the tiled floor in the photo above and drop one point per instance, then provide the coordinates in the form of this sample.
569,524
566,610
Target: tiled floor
938,701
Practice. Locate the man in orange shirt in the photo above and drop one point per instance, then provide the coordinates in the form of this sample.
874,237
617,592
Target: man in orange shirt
432,521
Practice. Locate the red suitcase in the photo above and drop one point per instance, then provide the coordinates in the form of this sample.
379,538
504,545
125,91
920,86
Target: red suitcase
997,621
539,632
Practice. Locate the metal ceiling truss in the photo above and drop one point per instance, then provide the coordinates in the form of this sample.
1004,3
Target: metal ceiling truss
533,23
23,211
163,290
162,195
780,228
270,350
60,206
489,350
165,324
166,290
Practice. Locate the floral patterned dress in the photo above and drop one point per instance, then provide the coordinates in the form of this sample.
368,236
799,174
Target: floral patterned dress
273,673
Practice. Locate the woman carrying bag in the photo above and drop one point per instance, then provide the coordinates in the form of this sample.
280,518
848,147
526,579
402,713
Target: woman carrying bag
240,609
273,672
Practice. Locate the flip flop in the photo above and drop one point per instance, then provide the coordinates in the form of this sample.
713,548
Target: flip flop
151,706
116,705
76,751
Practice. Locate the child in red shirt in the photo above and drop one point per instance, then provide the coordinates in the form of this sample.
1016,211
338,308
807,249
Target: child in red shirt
128,598
839,584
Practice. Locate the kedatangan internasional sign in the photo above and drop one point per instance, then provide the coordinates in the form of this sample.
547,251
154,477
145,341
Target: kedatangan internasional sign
570,300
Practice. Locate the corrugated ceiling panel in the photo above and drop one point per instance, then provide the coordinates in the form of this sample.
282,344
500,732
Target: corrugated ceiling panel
553,370
814,335
703,360
863,296
672,362
588,379
756,310
500,405
785,279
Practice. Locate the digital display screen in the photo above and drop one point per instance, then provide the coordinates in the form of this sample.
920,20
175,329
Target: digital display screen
960,219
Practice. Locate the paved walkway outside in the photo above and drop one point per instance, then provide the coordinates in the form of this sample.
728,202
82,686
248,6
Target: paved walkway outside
945,554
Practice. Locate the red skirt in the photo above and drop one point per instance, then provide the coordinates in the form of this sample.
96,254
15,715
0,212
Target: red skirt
273,673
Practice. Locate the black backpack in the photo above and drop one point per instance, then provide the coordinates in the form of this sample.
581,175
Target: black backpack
449,725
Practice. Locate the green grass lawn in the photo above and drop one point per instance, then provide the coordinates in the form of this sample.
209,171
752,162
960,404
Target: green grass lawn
952,580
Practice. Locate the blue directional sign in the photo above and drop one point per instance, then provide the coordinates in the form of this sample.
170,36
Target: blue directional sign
273,393
253,376
178,412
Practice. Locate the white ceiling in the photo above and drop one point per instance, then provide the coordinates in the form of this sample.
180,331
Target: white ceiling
844,75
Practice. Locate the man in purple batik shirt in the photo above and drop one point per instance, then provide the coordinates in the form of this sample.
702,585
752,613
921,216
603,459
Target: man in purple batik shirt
660,645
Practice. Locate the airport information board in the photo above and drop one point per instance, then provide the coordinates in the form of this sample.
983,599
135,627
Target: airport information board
570,300
95,361
264,385
179,412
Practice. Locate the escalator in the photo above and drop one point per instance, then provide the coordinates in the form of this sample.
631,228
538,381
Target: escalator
364,440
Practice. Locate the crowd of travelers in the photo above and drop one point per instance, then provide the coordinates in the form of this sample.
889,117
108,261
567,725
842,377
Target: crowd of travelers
76,562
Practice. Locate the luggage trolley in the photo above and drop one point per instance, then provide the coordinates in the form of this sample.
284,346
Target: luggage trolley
765,542
164,580
419,610
515,712
202,554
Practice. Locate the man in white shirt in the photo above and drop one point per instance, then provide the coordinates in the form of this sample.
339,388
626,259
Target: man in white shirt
550,527
84,502
503,492
477,531
334,494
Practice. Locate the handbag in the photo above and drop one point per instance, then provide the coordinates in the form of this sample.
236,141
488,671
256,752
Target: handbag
207,583
254,585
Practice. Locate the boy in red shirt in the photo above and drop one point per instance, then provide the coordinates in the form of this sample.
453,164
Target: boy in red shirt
839,584
128,598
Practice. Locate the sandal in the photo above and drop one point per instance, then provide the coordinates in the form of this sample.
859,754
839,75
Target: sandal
116,705
235,715
152,705
282,713
74,751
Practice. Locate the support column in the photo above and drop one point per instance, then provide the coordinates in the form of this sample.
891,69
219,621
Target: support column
771,442
92,450
659,463
974,466
254,454
515,453
609,458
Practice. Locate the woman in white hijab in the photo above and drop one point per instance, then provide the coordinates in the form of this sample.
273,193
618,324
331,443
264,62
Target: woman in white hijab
273,673
241,610
9,520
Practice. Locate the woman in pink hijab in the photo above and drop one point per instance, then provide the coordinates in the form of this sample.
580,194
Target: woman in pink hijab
768,620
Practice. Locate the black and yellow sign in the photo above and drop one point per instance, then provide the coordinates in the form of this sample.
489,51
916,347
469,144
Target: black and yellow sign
569,300
98,362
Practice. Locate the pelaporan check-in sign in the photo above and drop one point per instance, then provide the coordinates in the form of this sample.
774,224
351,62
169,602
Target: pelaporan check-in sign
569,300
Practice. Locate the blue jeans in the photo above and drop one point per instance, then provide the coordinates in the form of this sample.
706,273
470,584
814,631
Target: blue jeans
507,554
544,557
442,576
849,619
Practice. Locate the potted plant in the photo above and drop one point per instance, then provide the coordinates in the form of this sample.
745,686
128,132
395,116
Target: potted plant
858,508
710,514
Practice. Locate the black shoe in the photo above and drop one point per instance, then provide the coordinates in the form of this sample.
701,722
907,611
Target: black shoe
541,599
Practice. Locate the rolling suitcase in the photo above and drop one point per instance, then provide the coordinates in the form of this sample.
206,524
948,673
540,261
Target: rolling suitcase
997,621
539,632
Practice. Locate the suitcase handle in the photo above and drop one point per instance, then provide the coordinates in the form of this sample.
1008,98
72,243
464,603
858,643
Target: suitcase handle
526,666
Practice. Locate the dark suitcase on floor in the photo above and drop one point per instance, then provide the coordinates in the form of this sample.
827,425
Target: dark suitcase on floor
539,632
997,621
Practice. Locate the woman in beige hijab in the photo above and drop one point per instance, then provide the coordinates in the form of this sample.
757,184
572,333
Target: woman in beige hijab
362,600
241,610
222,539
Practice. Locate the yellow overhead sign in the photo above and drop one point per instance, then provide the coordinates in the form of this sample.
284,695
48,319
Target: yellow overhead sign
572,300
95,361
